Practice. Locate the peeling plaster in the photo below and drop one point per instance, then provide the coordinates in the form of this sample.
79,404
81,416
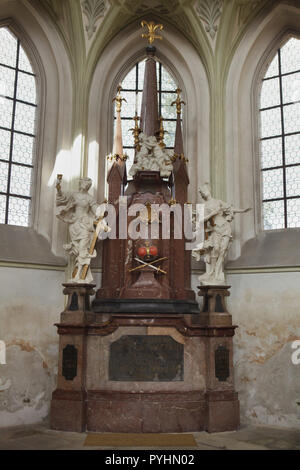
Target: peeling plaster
266,309
27,398
268,391
27,317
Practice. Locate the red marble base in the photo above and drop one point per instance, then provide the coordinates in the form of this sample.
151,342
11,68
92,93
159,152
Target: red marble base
223,411
159,412
145,412
212,408
68,411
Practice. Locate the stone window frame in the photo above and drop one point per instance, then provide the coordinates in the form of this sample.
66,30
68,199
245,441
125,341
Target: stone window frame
254,248
278,42
35,61
40,244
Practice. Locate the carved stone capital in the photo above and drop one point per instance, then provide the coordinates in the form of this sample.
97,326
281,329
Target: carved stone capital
78,308
214,310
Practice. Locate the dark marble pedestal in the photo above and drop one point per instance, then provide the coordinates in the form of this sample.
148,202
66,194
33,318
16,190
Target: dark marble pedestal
97,392
222,405
68,405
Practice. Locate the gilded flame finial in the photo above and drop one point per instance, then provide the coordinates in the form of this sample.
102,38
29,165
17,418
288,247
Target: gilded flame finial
161,132
136,132
178,101
152,27
118,99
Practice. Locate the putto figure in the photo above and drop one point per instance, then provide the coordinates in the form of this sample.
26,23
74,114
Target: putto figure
218,216
86,222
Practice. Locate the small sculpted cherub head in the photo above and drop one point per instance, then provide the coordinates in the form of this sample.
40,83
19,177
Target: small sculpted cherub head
85,184
205,191
229,214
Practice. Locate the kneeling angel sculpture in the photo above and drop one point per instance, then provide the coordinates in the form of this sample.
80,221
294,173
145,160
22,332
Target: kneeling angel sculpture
86,222
218,216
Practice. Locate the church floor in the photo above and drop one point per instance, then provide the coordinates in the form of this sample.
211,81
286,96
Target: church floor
40,437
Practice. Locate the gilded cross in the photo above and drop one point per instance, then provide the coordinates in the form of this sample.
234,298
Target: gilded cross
161,132
136,131
178,101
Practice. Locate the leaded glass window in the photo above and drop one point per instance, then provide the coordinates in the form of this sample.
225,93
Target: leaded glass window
17,130
132,88
280,138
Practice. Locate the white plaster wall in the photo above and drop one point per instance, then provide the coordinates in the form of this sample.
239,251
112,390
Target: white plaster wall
31,299
31,302
265,307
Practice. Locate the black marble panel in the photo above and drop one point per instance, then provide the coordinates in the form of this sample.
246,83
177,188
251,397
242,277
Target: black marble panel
222,371
146,358
69,362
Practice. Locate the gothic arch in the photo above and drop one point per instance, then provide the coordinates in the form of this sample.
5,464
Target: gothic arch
54,87
182,60
250,58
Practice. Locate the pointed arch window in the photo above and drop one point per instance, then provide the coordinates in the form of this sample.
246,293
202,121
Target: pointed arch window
280,138
18,104
132,89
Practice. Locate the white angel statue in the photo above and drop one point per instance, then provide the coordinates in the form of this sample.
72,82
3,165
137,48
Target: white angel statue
80,211
218,216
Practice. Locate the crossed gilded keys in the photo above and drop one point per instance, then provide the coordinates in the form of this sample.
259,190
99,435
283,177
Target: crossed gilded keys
150,265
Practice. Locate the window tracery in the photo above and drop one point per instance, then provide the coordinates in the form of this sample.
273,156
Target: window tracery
280,138
18,104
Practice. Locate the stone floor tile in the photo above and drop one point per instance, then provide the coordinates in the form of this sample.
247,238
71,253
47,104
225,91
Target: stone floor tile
39,436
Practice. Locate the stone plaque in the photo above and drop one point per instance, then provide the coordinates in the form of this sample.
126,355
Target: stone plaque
69,362
146,358
222,371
